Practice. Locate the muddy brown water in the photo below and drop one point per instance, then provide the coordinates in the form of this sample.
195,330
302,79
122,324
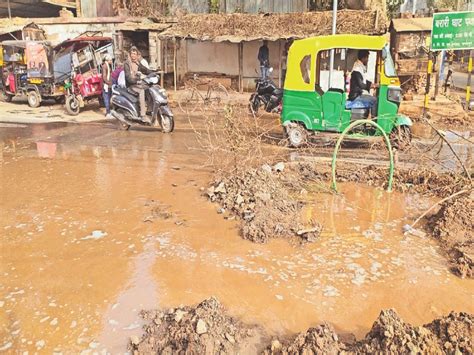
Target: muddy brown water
98,224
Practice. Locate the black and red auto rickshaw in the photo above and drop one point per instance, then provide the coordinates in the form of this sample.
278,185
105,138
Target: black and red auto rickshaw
26,69
78,65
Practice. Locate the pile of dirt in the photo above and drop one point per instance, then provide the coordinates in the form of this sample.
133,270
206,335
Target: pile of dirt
415,83
453,226
207,329
391,335
454,332
241,26
203,329
266,200
321,339
419,180
445,112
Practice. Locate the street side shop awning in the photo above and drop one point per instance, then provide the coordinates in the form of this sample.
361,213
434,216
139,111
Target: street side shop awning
250,27
143,26
418,24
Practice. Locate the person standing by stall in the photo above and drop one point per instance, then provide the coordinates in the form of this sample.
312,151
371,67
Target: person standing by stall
264,59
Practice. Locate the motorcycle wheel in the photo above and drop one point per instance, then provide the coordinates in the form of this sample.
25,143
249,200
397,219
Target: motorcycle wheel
72,105
254,104
122,126
166,123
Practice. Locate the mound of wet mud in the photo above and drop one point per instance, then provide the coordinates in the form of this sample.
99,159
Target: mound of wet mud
203,329
267,202
321,339
207,329
420,180
453,227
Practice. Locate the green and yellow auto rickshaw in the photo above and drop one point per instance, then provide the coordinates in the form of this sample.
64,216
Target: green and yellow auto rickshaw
315,98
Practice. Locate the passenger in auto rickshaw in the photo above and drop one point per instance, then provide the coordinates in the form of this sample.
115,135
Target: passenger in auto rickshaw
360,86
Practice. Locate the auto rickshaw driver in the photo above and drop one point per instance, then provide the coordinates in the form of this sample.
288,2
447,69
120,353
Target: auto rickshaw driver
360,86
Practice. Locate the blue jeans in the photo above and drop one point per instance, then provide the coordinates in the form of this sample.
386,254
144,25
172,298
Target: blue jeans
368,101
106,94
264,70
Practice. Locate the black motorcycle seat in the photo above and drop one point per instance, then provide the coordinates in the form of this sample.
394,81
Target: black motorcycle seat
132,92
128,95
278,92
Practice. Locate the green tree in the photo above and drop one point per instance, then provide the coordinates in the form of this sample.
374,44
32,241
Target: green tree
214,6
393,8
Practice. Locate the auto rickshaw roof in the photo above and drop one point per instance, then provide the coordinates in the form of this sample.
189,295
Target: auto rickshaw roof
351,41
82,39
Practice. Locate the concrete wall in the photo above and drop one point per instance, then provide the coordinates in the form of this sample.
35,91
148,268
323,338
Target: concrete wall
223,58
253,6
191,6
213,57
56,33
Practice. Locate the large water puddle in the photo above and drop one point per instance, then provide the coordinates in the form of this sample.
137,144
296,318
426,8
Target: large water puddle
90,238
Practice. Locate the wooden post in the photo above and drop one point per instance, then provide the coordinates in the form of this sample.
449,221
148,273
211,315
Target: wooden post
175,65
376,20
428,84
78,8
438,66
241,67
280,54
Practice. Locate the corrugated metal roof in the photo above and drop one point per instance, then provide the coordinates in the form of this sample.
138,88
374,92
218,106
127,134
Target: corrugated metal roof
412,24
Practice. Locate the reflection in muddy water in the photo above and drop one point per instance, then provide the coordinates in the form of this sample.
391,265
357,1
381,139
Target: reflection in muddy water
94,234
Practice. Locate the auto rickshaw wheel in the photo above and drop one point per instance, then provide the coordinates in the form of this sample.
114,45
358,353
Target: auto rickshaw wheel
7,97
400,137
73,106
297,135
34,100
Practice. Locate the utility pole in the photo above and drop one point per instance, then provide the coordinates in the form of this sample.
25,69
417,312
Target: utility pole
331,59
9,10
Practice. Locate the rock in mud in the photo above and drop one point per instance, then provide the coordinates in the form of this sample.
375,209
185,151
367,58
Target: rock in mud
279,167
453,227
201,327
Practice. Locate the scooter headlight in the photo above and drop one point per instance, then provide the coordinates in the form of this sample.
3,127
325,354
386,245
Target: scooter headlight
163,93
394,95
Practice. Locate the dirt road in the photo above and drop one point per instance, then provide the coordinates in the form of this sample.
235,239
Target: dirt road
98,224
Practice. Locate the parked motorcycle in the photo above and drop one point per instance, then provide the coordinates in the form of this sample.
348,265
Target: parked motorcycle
125,106
266,95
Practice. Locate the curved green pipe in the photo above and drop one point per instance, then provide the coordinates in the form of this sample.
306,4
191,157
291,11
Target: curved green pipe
338,144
